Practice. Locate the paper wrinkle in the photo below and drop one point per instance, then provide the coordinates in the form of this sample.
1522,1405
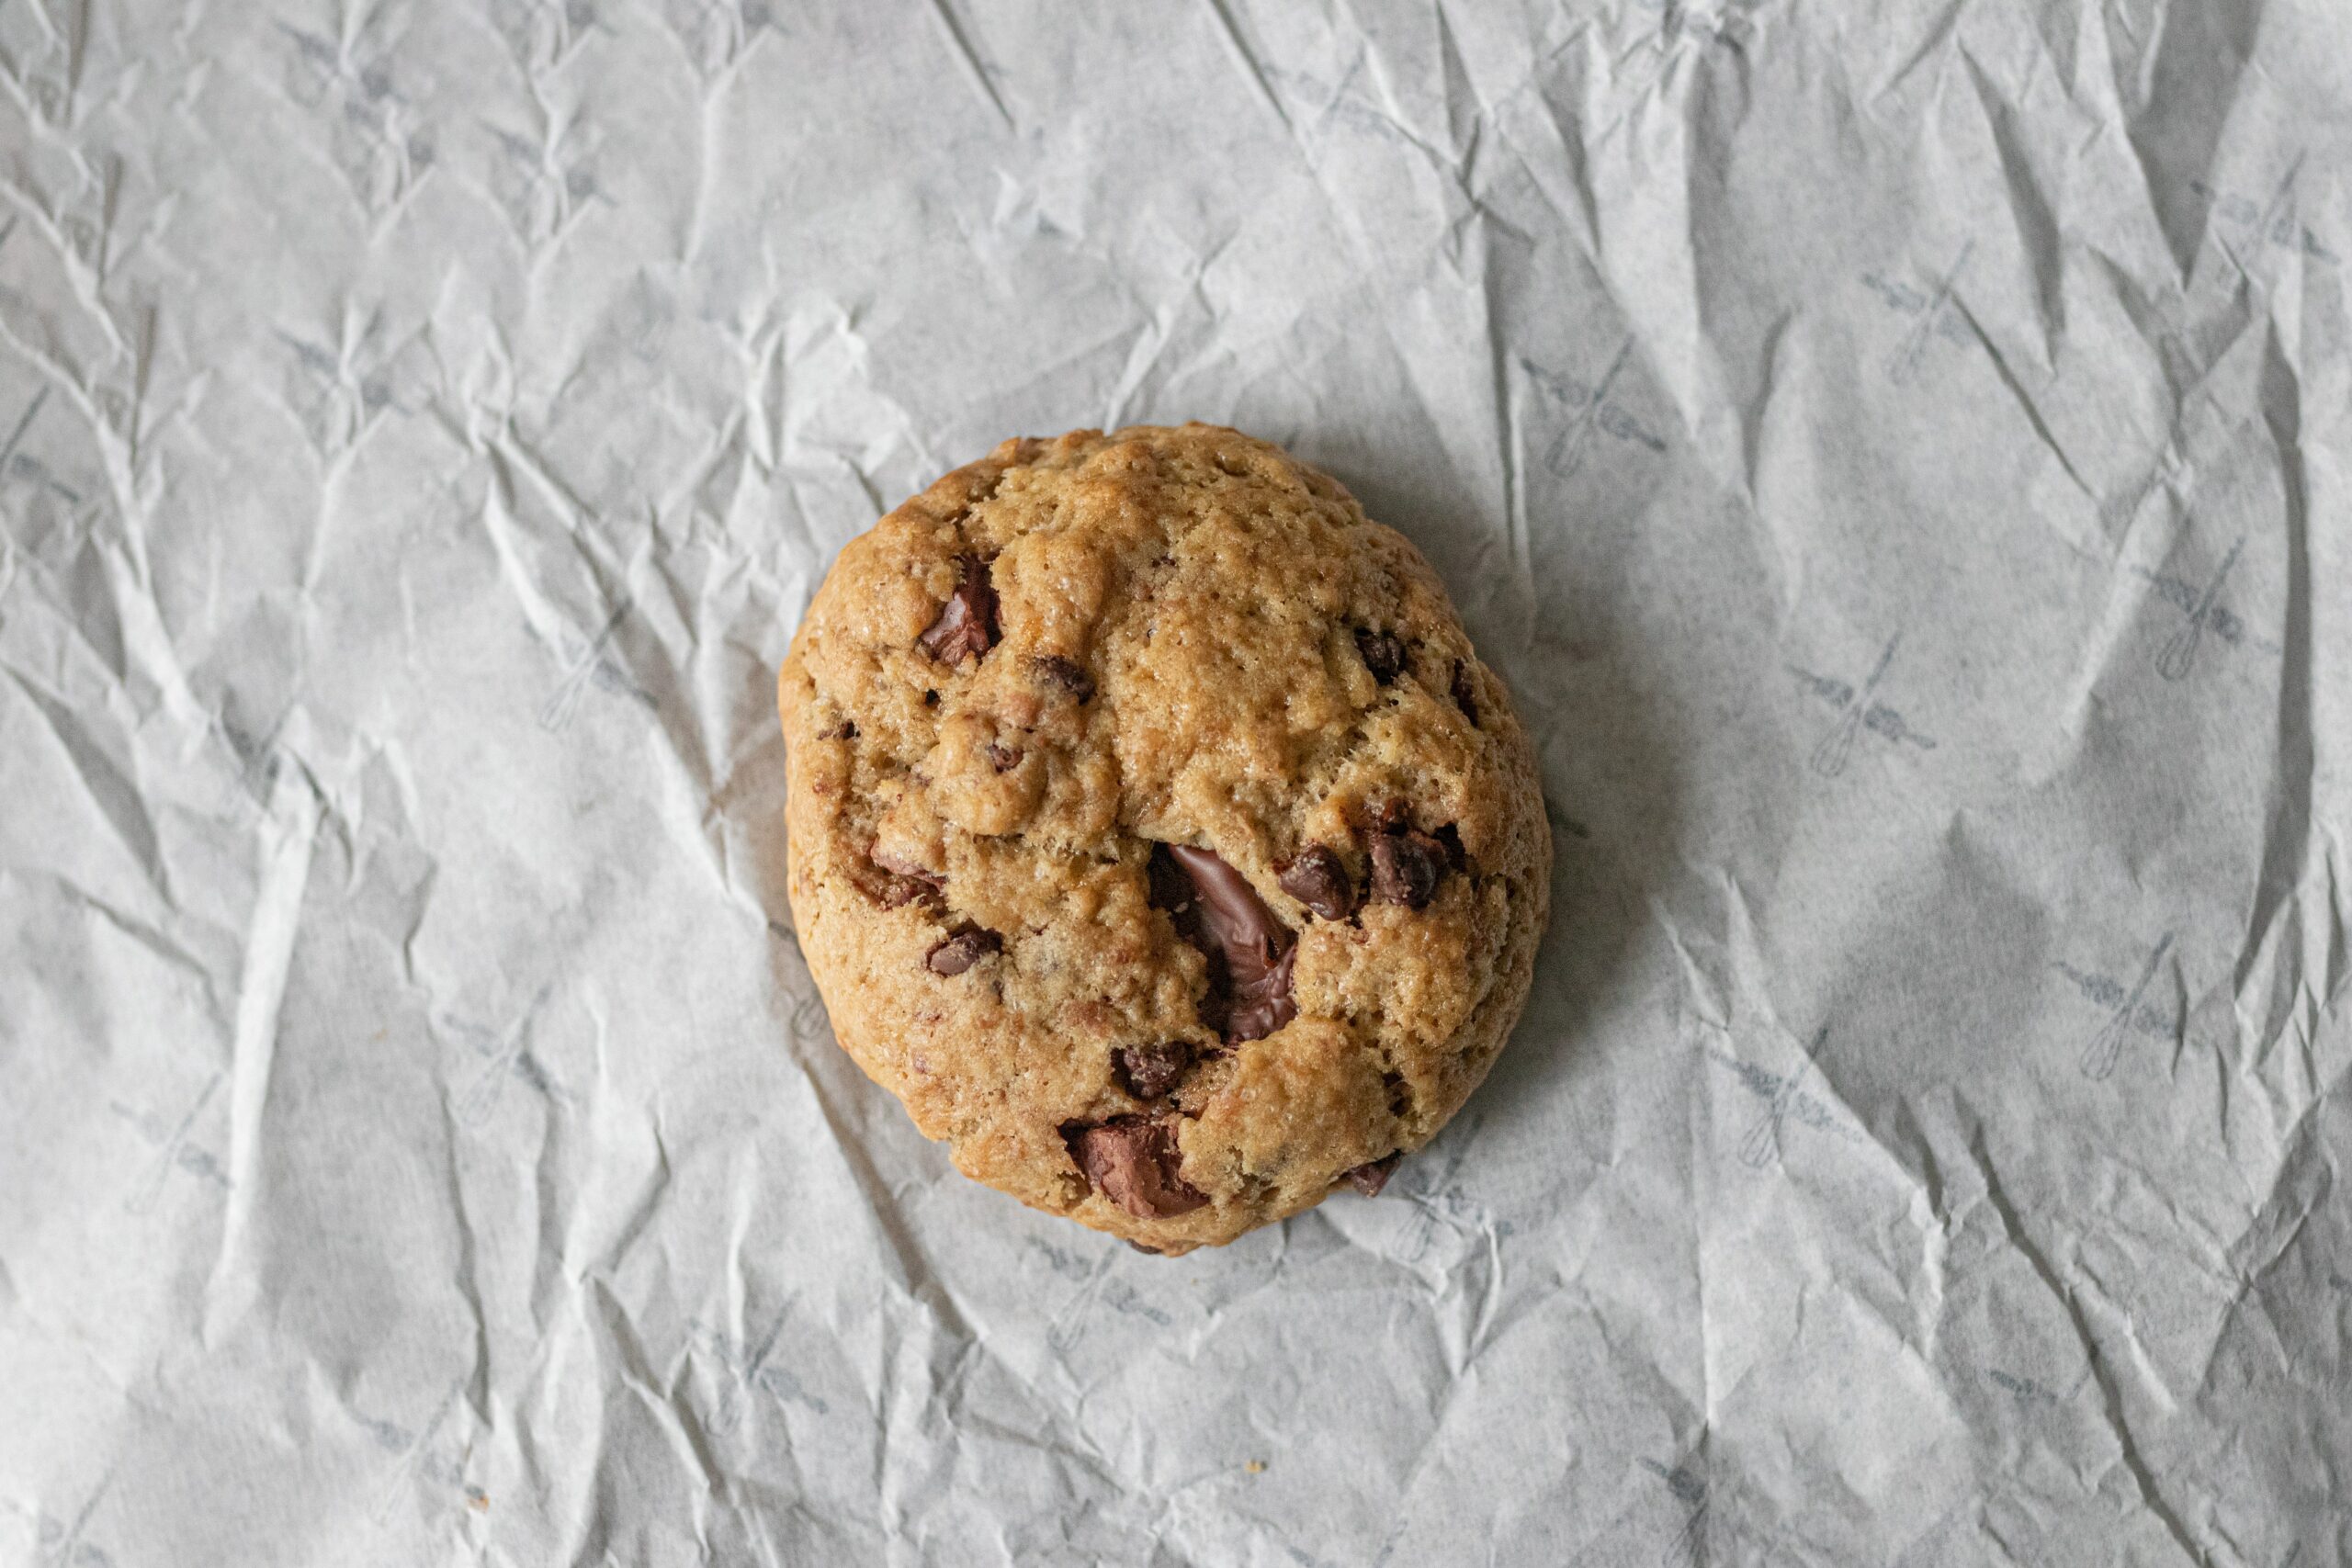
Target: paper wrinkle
420,435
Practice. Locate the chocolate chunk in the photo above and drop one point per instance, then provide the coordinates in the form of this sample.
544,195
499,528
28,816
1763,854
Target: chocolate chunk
1003,759
1171,889
1369,1179
961,951
1066,674
1257,1010
903,881
1150,1071
898,867
966,623
1135,1163
1153,1251
1390,815
1384,654
1405,868
1250,953
1316,878
1466,690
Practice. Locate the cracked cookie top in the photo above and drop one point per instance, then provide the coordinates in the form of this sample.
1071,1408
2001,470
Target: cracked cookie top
1157,836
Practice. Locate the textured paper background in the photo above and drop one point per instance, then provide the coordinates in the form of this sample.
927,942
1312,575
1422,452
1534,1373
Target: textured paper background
1896,454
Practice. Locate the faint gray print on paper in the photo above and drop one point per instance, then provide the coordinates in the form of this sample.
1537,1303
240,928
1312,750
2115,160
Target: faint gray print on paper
1934,313
2128,1011
1785,1099
1688,1547
23,465
591,667
173,1150
2273,224
1588,408
2201,602
61,1544
502,1057
421,1456
541,33
1095,1282
2030,1391
1441,1199
542,187
1858,711
750,1370
347,85
714,33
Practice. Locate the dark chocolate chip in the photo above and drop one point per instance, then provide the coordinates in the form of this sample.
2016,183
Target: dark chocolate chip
1390,815
1257,1010
966,623
1466,690
1003,759
961,951
903,881
1066,674
1316,878
898,867
1371,1178
1215,909
1405,868
1384,654
1150,1071
1135,1163
1171,889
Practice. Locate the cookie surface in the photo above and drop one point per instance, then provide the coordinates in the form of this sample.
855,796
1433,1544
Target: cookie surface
1157,836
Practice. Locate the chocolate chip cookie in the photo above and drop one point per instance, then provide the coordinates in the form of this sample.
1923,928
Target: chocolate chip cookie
1157,835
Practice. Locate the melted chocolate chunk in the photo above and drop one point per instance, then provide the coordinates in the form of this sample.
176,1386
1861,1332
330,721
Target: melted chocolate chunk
908,868
1384,654
1150,1071
1003,759
1405,868
1250,952
966,623
1371,1178
1316,878
1466,690
1135,1163
961,951
903,881
1066,675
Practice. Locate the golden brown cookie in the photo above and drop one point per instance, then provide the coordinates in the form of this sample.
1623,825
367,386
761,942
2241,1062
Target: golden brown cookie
1157,836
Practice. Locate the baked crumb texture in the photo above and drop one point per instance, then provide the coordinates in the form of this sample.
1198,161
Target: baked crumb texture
1157,836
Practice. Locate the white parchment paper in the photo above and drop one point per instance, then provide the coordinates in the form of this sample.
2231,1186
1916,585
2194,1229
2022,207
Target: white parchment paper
1897,454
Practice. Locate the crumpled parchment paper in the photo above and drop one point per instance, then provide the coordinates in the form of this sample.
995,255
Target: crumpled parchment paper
1899,455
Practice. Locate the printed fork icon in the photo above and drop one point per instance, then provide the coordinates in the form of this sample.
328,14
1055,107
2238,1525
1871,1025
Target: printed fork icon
2098,1060
1829,758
